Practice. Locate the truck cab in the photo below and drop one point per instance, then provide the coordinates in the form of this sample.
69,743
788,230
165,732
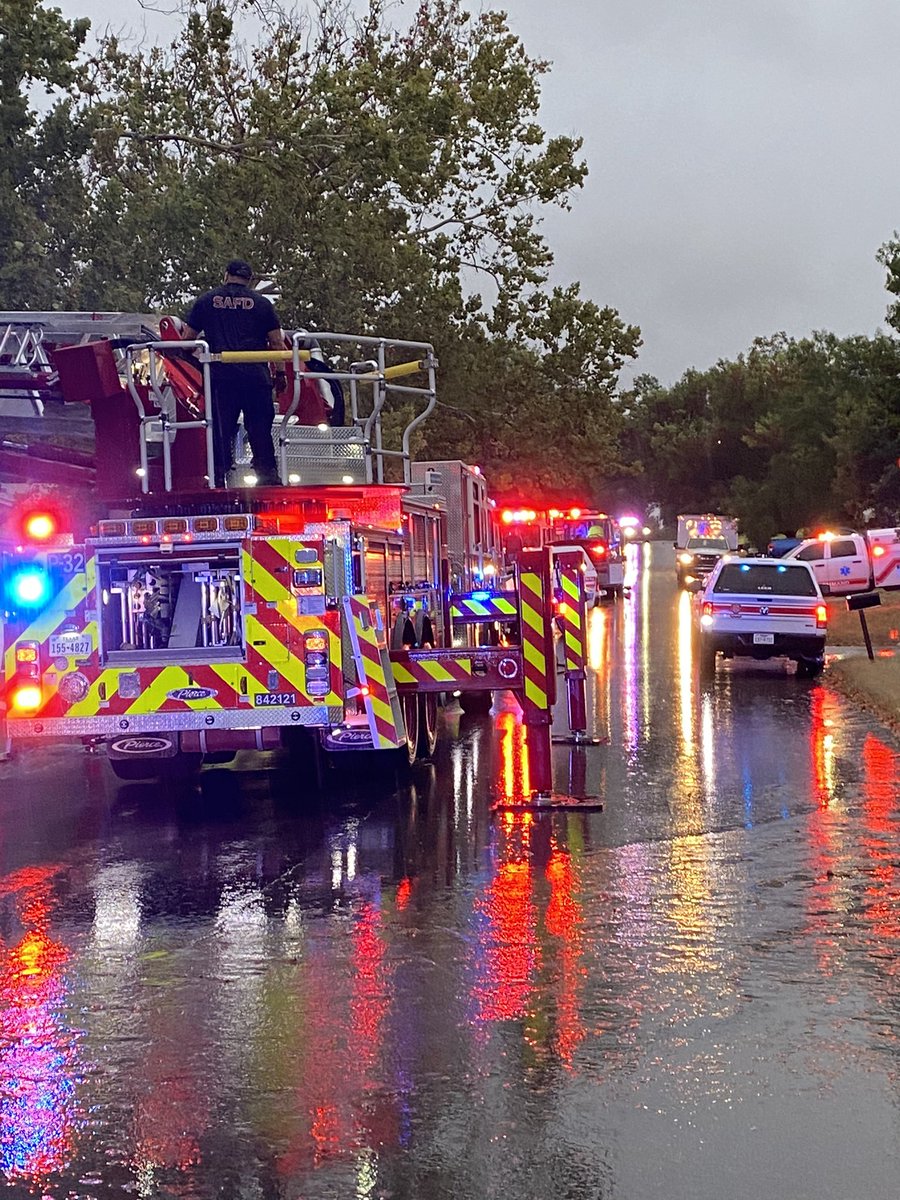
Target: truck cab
840,562
700,542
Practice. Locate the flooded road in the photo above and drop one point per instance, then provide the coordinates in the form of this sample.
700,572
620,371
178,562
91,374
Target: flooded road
249,990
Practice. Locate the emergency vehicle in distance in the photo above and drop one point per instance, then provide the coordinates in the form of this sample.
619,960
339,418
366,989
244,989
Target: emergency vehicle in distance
847,562
594,534
700,541
329,614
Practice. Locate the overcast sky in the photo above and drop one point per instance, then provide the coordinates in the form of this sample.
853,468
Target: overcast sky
743,158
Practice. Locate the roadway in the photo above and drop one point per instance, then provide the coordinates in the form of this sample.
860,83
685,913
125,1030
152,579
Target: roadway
246,989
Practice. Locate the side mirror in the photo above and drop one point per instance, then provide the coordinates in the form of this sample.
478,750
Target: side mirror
695,586
825,589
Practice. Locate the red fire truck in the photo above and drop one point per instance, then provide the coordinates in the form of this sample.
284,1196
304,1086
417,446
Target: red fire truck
595,533
191,622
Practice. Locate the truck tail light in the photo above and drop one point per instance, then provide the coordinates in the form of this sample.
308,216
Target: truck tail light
707,610
27,697
316,661
28,660
821,616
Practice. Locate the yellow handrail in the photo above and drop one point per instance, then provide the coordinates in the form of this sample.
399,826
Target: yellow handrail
263,356
251,356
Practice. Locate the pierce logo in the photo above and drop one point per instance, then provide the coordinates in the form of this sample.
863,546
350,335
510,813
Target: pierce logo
142,745
192,693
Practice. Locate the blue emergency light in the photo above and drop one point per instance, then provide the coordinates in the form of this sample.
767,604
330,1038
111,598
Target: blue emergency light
28,586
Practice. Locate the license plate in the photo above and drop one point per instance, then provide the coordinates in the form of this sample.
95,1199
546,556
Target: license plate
764,639
275,699
64,647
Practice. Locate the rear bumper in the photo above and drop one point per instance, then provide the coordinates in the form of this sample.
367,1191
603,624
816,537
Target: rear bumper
786,645
206,720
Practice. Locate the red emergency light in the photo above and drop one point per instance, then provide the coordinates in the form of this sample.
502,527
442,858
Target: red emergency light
598,549
39,524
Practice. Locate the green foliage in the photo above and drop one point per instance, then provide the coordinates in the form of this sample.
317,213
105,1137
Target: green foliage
791,434
380,173
41,186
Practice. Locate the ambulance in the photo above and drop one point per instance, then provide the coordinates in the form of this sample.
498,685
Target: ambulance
852,562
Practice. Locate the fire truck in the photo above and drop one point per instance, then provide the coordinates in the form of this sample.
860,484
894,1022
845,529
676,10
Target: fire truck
592,532
330,614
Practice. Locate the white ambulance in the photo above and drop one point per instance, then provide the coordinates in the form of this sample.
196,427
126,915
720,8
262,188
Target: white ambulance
852,562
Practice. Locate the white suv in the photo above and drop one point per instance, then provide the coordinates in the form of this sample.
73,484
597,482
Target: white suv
762,608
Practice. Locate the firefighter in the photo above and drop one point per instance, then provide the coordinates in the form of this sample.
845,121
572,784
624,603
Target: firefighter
234,317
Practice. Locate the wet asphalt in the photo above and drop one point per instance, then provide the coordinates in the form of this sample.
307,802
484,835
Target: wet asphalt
251,989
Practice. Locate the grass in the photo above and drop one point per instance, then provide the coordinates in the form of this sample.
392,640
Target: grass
873,685
884,623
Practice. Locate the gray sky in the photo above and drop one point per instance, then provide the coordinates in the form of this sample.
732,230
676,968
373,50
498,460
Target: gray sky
742,155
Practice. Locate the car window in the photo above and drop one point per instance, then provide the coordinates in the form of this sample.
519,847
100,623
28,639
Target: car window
776,579
699,543
811,553
845,549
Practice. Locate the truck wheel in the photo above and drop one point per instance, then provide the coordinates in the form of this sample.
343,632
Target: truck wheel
707,661
410,707
428,724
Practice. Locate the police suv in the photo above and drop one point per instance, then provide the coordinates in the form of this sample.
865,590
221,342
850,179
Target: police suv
761,608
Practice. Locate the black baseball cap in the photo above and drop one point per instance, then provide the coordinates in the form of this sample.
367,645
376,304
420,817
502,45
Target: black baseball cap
241,269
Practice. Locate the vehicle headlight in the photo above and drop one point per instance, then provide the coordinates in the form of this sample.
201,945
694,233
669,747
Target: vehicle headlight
646,531
685,558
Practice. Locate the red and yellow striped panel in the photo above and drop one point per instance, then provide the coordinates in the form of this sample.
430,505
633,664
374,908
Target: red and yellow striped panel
572,623
274,631
537,641
448,670
370,651
274,660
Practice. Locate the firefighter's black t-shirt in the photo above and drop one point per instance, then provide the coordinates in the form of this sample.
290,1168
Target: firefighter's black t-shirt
234,317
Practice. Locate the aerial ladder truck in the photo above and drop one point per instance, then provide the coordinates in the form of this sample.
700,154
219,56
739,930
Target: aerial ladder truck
335,612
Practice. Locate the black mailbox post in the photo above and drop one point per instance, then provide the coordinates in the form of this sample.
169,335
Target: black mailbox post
859,603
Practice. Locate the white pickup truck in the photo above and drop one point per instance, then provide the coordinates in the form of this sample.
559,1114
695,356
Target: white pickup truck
845,563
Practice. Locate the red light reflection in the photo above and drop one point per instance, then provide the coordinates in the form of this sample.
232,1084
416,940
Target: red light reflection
563,921
37,1059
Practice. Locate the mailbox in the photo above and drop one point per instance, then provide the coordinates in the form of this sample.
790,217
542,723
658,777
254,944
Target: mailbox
863,600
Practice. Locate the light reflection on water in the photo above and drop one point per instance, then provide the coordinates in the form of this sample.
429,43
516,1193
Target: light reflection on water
411,997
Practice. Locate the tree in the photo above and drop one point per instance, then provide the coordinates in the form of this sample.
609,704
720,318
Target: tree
391,178
41,185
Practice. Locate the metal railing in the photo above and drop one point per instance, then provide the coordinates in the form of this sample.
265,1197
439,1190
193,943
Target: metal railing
372,374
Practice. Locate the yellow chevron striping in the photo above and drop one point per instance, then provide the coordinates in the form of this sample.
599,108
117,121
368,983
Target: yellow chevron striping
65,600
533,619
90,705
382,709
535,694
533,655
437,671
290,667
